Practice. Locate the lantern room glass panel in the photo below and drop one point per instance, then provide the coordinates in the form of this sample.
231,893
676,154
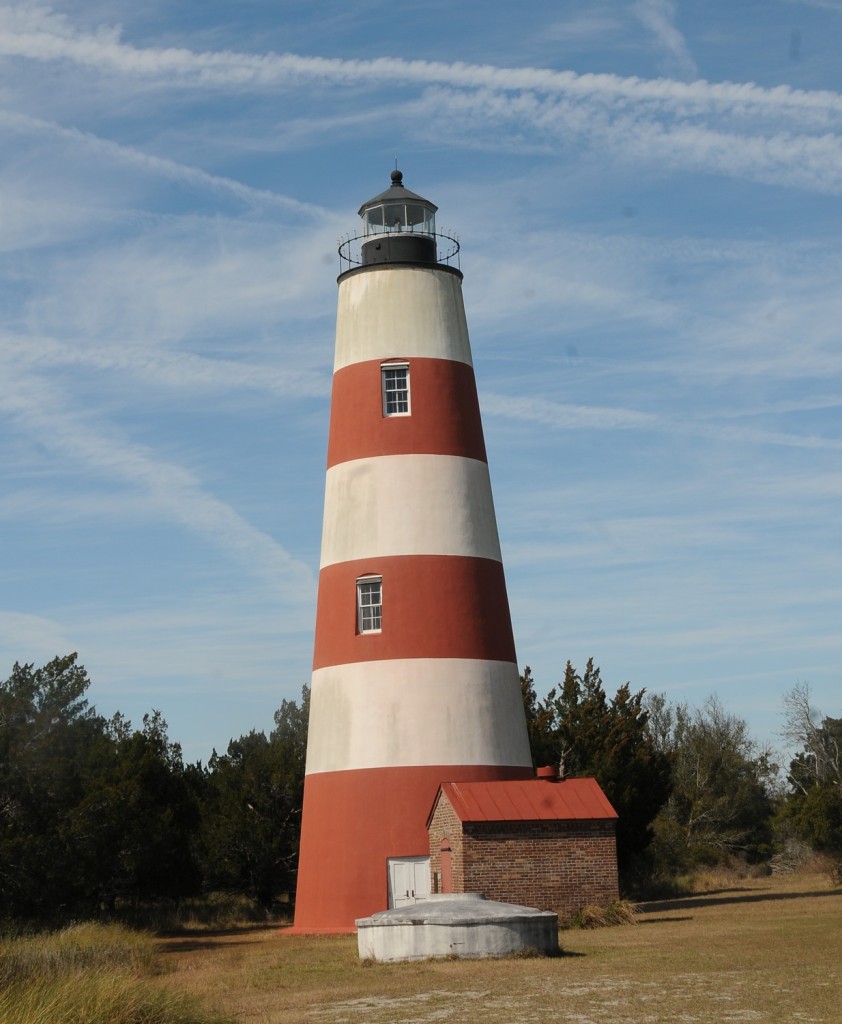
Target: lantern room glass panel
419,218
374,220
395,216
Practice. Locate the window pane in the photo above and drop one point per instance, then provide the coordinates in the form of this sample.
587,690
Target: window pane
418,218
395,217
369,598
374,220
395,390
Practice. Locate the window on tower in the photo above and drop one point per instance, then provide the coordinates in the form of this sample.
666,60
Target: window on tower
394,378
369,604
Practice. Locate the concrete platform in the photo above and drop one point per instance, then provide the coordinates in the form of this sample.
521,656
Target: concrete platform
458,924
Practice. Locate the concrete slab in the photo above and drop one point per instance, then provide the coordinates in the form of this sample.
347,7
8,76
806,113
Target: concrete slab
458,924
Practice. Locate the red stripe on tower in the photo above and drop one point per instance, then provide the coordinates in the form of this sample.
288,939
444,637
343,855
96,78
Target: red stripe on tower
415,680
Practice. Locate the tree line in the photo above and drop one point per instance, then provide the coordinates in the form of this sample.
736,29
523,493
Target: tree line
96,813
691,786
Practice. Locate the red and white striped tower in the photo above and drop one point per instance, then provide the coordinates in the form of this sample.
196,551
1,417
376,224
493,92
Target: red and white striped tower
415,680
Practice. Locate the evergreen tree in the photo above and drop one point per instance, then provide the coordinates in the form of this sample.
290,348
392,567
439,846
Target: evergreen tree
252,811
155,816
583,732
91,809
51,745
93,812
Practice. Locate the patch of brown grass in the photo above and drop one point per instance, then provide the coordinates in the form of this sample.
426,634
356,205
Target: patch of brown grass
90,974
764,950
78,949
594,916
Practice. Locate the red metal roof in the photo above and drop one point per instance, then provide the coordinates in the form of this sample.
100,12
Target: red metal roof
527,800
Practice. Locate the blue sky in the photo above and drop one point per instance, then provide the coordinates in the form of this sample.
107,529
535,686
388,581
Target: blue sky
648,199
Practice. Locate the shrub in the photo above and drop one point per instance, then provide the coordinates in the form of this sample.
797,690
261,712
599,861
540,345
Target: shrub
593,916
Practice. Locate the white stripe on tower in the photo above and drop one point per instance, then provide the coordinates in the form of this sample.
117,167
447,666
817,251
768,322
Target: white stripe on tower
431,694
368,509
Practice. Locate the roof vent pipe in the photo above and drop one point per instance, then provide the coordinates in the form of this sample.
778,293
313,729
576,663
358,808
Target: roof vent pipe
549,773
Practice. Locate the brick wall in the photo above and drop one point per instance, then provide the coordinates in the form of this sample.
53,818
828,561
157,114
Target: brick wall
445,824
551,865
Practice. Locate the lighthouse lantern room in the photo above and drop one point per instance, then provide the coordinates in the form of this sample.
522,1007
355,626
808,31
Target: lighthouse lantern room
415,678
398,226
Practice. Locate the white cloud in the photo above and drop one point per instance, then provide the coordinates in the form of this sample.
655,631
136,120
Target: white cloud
573,417
637,136
150,164
566,417
169,491
659,17
593,25
35,34
36,637
774,135
828,5
186,372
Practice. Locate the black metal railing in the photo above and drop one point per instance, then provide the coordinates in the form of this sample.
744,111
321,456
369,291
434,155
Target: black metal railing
350,248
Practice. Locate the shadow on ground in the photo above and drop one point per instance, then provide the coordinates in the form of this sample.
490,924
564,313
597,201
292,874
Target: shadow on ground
666,920
718,899
211,938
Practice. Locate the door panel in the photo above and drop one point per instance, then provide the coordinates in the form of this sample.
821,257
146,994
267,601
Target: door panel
409,880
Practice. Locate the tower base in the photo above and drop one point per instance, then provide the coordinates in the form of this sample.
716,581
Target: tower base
355,821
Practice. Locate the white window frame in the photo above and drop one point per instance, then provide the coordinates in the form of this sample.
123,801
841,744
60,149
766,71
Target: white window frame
369,612
386,391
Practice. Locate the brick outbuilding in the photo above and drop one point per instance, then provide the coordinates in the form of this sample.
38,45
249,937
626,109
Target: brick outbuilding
544,843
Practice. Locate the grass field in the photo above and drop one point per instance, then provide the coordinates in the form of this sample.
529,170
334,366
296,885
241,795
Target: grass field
90,974
765,950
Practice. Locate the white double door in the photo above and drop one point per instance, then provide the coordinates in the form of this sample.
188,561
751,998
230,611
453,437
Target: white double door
409,880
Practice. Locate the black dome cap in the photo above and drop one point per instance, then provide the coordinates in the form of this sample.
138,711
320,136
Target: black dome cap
396,193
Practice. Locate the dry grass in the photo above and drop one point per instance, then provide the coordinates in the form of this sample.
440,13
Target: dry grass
90,974
593,916
761,950
77,949
99,998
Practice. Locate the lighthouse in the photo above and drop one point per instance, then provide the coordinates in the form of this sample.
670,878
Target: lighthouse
415,680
